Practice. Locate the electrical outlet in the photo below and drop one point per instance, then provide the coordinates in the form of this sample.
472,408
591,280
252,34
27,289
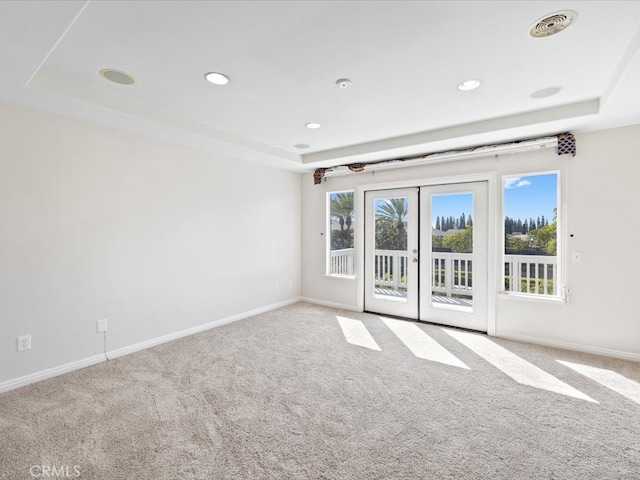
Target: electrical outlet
277,286
102,325
24,343
290,283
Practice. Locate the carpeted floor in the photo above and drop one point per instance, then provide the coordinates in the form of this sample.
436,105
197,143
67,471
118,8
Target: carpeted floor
283,395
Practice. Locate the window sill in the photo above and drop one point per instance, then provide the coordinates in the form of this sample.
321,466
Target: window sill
344,277
533,298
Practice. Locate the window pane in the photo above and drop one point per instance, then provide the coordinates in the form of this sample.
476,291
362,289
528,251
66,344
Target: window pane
391,267
342,224
452,251
530,230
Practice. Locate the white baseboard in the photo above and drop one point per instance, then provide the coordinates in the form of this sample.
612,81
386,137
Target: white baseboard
572,346
87,362
50,372
324,303
119,352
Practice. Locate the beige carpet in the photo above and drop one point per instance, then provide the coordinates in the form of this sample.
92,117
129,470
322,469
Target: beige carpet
284,395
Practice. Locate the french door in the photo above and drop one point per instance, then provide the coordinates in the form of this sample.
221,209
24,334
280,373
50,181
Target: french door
426,253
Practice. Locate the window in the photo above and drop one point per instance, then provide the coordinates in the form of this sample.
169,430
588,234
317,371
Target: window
531,253
341,232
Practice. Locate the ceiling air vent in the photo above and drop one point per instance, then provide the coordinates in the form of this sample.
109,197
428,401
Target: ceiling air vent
117,76
552,24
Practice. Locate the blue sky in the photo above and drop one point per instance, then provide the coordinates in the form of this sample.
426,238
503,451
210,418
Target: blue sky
531,196
524,197
451,205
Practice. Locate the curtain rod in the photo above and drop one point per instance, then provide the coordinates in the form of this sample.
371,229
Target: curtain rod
565,144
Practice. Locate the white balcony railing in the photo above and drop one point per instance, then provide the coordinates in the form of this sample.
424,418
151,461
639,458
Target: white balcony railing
390,268
531,274
342,262
452,272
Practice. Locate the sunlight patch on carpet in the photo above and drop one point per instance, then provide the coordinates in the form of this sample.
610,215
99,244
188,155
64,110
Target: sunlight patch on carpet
421,344
608,378
517,368
356,333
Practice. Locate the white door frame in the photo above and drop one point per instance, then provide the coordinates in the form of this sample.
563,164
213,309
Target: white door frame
476,316
402,306
493,253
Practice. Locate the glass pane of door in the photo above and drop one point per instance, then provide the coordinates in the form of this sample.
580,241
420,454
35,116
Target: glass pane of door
452,251
391,256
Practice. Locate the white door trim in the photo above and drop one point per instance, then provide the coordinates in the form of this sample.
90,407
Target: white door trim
475,317
406,306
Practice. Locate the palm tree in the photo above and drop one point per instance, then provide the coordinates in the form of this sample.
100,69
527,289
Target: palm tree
342,208
395,210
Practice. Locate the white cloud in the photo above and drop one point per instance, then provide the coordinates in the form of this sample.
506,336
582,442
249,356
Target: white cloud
516,182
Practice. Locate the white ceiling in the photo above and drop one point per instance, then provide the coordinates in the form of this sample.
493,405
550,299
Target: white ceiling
283,57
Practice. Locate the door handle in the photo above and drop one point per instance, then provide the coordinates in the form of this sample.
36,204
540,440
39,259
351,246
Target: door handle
415,260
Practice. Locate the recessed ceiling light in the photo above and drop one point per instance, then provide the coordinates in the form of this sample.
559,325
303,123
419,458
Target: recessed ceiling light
343,83
301,145
313,125
546,92
468,85
216,78
552,23
116,76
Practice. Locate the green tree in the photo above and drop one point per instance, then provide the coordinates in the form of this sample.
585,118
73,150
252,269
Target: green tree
508,225
342,212
460,242
517,245
395,210
341,239
387,235
342,208
544,238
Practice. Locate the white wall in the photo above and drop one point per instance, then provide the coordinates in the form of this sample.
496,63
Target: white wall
156,238
603,315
